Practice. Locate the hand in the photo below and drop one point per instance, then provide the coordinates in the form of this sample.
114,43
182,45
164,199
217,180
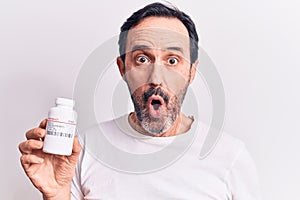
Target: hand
51,174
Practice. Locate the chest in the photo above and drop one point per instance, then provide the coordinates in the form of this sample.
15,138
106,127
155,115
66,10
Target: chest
184,180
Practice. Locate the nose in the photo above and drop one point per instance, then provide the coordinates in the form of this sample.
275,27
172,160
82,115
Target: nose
155,74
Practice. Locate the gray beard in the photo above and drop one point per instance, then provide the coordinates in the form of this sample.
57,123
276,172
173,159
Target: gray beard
164,123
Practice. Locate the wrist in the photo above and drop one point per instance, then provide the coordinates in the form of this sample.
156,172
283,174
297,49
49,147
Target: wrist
61,194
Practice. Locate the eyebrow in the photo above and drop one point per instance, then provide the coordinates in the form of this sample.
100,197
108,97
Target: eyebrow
141,47
176,49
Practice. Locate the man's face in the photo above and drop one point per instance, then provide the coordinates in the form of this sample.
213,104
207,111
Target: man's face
157,70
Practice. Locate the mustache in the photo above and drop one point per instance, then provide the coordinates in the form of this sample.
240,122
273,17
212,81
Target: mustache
155,91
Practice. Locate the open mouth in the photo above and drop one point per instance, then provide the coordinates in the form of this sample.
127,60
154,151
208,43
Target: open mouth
156,104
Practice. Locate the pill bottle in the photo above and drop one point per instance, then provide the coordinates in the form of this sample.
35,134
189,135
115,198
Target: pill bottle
61,128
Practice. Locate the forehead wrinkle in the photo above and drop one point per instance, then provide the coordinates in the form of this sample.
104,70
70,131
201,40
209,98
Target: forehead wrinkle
135,43
153,38
157,35
169,46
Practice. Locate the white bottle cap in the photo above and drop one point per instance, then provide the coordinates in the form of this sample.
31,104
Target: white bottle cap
65,102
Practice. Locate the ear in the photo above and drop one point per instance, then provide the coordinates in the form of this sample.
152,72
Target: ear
193,70
121,66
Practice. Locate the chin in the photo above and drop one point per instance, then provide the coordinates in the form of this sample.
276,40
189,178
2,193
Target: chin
157,126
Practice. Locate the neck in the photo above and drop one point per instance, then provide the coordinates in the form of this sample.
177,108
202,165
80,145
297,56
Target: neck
181,125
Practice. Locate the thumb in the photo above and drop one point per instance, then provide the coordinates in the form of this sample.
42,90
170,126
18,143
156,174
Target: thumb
75,151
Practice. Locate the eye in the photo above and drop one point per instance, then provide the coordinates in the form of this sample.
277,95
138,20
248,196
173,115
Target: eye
142,59
172,61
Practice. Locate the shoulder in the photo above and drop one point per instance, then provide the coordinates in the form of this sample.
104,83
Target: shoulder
219,143
229,145
99,133
230,157
221,148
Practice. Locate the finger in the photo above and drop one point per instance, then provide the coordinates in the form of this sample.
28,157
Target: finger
43,124
75,151
29,145
35,133
30,159
76,146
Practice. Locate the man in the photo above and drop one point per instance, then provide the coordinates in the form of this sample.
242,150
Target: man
158,59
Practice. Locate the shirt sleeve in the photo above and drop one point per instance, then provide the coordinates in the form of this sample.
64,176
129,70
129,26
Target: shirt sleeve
242,179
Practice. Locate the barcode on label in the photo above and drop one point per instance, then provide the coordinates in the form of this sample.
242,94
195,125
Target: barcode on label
60,129
60,134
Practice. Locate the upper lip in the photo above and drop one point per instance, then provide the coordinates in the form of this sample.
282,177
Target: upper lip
156,97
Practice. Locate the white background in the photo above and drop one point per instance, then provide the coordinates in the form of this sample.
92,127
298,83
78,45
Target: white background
254,45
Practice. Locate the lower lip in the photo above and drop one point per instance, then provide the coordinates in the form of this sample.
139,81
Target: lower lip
155,113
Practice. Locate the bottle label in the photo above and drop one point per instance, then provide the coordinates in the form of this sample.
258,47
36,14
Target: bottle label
60,129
